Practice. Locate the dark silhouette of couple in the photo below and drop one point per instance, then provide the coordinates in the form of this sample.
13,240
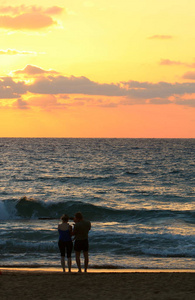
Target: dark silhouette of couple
80,235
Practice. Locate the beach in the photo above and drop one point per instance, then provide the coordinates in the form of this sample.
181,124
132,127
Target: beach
47,284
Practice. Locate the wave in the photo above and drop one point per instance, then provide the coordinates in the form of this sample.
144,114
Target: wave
77,180
28,208
135,245
131,173
145,244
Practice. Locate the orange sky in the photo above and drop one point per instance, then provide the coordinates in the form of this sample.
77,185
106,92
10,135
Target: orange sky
96,69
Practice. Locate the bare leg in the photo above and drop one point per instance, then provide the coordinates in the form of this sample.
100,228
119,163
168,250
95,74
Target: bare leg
69,264
63,263
78,260
86,259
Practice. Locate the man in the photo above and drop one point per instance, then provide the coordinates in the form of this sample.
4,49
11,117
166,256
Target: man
81,229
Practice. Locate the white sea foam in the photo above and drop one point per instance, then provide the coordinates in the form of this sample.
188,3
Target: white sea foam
4,215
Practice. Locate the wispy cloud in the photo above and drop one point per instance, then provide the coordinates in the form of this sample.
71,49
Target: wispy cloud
16,52
16,10
34,70
160,37
189,75
168,62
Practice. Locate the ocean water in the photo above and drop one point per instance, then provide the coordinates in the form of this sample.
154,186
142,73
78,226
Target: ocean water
139,195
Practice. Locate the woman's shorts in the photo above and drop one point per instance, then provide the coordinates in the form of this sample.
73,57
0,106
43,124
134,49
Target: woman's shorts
65,247
81,245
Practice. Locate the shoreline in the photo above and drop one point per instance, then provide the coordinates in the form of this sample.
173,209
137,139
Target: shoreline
92,270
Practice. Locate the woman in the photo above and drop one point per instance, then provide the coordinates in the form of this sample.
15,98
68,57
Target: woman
65,242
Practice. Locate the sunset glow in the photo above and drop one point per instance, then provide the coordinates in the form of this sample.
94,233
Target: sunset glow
97,69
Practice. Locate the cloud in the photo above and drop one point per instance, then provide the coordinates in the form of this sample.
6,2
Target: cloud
74,85
34,70
108,105
81,85
94,101
147,90
29,21
62,96
168,62
133,91
52,91
10,89
16,10
160,37
28,17
16,52
21,104
189,75
188,102
83,98
54,10
159,101
45,102
132,101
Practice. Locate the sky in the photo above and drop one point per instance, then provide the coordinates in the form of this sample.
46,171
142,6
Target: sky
96,68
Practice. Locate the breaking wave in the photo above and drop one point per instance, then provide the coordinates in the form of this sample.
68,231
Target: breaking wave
28,208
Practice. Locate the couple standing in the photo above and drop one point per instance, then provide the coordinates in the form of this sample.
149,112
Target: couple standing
80,232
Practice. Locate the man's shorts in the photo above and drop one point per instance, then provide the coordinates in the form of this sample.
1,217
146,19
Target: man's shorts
81,245
65,247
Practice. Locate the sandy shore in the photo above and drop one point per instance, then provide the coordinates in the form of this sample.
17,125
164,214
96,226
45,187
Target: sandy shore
39,284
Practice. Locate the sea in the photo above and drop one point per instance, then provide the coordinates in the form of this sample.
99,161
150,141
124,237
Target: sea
139,195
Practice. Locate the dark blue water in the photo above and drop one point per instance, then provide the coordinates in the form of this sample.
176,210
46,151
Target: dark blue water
138,193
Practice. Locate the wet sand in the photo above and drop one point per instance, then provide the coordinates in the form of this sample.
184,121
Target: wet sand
53,284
